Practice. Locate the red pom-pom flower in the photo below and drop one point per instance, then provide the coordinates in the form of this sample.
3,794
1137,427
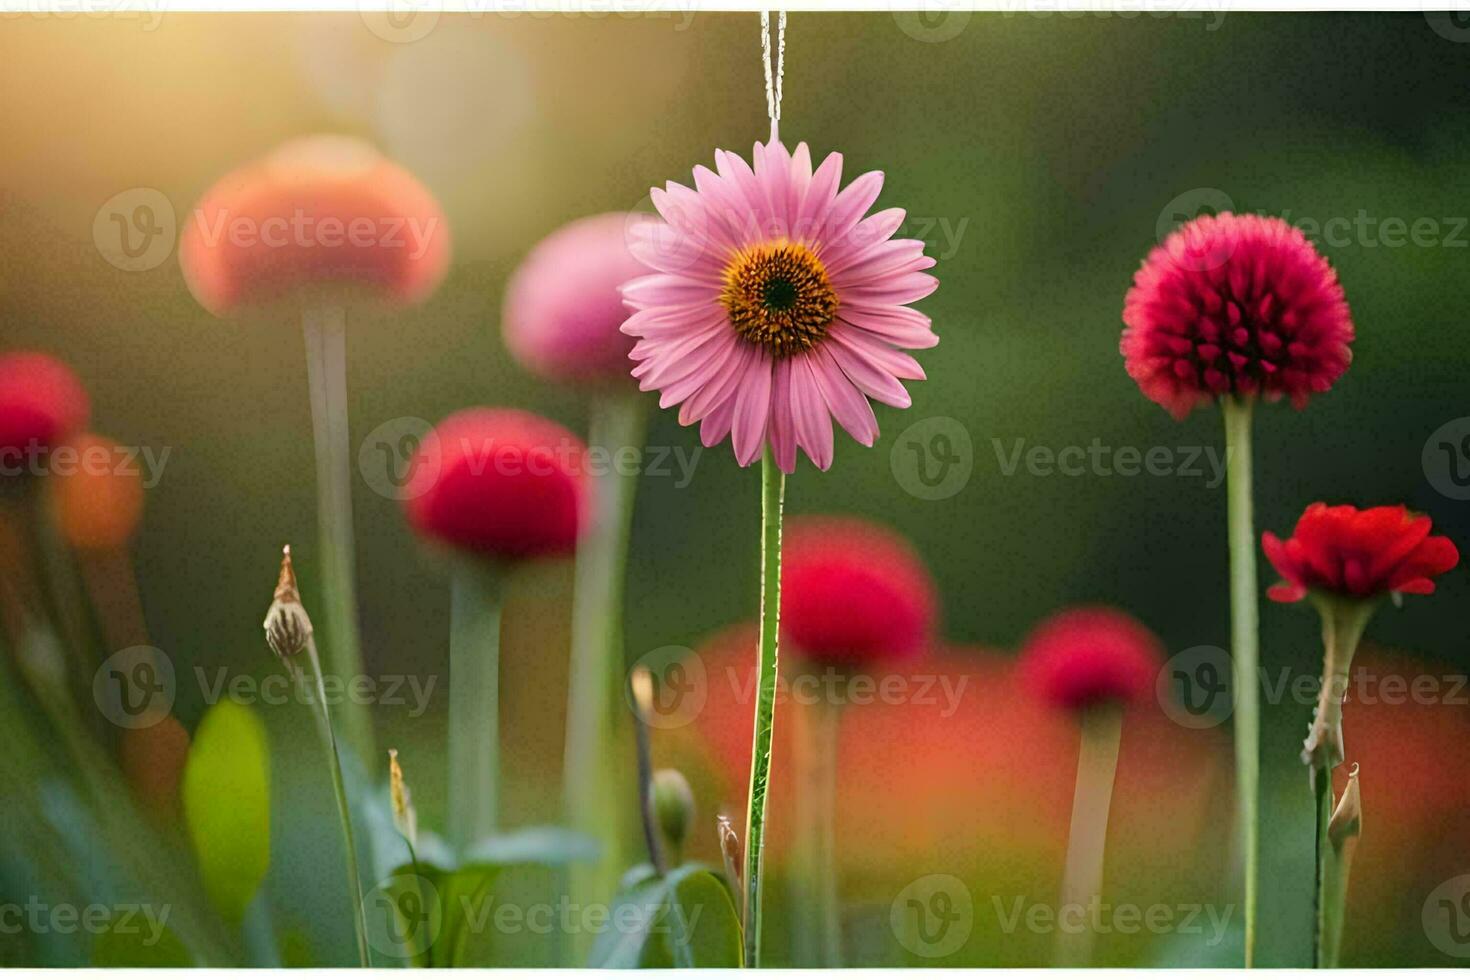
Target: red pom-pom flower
854,593
42,403
1091,654
1235,305
501,483
1358,554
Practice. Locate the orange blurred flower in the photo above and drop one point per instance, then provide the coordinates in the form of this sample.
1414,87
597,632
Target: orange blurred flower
97,493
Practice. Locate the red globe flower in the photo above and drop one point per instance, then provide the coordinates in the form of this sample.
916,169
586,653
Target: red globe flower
499,482
42,403
854,593
1358,554
1235,305
1091,654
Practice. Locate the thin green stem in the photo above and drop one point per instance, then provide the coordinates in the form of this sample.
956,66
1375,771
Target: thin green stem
474,702
344,811
1343,622
1097,765
816,919
773,492
594,794
326,368
1322,791
1244,639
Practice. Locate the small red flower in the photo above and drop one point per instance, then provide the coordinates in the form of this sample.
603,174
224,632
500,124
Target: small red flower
499,482
1358,554
1235,305
853,593
1091,654
42,403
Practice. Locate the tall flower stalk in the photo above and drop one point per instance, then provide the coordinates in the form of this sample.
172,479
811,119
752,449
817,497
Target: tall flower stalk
498,486
1236,309
289,633
855,597
1091,662
256,240
1345,561
773,499
1244,646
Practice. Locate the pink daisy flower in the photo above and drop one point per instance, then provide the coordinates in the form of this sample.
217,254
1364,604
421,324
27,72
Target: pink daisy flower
777,304
1236,304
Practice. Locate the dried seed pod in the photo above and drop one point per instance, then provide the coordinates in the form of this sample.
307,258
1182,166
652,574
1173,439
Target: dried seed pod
287,626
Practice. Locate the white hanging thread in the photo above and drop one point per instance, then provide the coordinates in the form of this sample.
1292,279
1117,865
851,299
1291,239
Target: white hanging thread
773,74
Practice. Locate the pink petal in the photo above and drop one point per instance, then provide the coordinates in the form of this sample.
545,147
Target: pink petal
909,288
863,371
813,422
818,197
846,403
849,207
783,426
752,407
665,289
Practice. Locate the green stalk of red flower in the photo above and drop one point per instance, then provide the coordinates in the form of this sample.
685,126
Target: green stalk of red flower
1236,309
1345,561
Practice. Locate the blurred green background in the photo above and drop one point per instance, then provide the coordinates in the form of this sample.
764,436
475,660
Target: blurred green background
1041,154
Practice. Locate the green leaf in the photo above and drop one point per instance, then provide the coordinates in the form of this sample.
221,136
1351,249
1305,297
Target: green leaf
226,793
686,919
705,931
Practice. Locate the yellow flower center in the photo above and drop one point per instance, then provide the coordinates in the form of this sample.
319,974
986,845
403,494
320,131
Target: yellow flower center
779,297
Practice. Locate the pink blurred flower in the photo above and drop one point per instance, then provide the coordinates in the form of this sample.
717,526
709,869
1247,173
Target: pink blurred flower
563,307
776,306
1235,305
1090,654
